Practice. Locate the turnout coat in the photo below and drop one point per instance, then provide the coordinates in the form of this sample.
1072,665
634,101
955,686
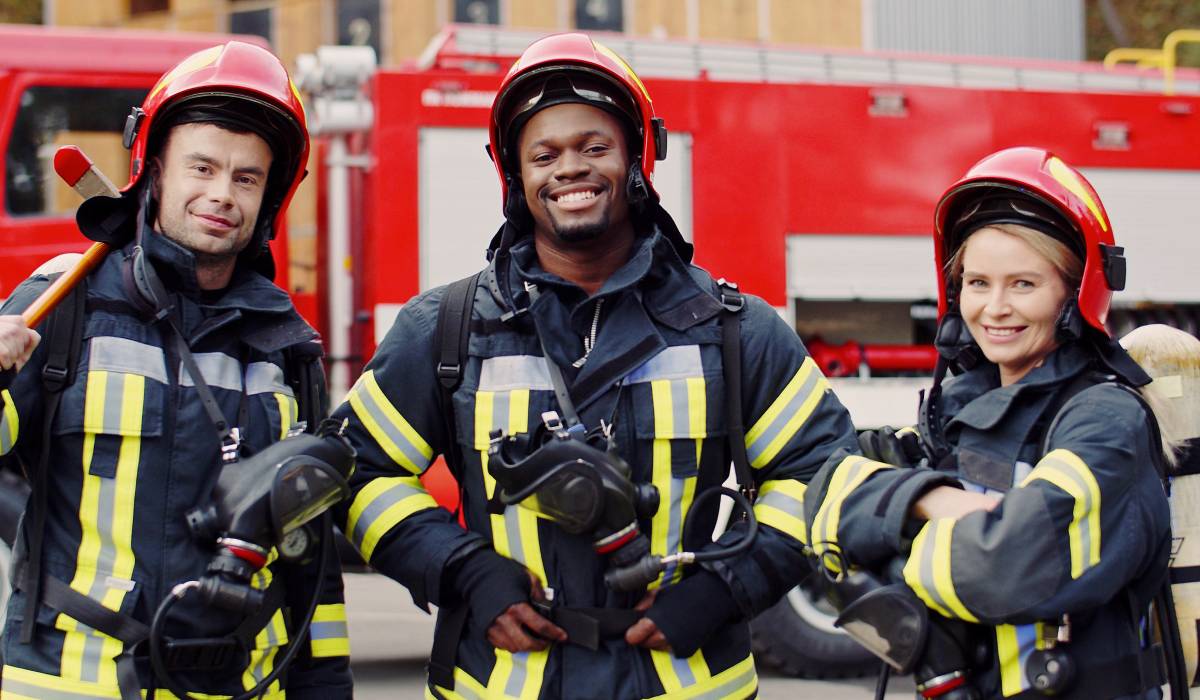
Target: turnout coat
131,451
1082,526
655,374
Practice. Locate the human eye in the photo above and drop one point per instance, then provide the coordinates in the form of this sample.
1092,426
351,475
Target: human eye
975,283
1024,284
202,168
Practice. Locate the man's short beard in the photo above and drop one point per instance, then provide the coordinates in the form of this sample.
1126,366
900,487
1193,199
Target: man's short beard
581,233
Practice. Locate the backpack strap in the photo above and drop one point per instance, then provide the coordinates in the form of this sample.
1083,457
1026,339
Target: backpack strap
450,343
732,303
64,342
304,372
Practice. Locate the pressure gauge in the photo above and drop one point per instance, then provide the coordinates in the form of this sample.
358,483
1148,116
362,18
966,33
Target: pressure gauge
296,545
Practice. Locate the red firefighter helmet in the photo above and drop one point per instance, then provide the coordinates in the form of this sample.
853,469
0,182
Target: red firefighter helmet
565,68
238,86
1034,188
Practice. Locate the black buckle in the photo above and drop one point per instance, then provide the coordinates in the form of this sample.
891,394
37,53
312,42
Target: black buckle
731,298
203,654
54,377
445,371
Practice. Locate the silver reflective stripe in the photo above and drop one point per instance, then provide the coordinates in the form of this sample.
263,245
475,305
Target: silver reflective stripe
785,416
266,378
782,501
380,505
114,402
520,670
927,576
36,691
500,374
682,670
676,362
721,692
219,370
334,629
112,354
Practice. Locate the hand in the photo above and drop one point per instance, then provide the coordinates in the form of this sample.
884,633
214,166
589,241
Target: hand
521,628
901,448
644,633
16,342
949,502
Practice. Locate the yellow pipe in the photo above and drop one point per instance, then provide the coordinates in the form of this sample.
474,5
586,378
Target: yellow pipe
1144,58
1170,46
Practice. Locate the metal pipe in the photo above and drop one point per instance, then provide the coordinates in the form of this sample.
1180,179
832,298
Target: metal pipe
341,301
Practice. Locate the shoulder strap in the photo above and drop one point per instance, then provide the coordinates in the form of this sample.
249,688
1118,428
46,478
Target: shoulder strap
1053,411
64,342
732,303
304,373
450,348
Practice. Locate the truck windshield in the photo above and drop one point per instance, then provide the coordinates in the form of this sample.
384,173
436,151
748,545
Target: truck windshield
49,116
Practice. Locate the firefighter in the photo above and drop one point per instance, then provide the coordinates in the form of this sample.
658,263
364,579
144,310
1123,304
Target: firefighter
589,320
1042,531
180,355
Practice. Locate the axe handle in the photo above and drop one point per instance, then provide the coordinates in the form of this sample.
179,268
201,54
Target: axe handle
62,286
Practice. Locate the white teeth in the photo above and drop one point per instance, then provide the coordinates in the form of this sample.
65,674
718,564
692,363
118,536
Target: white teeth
576,196
1001,331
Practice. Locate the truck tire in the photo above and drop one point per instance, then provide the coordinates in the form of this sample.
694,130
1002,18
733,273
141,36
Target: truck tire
797,637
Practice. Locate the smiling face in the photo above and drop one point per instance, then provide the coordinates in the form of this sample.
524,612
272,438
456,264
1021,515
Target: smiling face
574,164
210,185
1011,298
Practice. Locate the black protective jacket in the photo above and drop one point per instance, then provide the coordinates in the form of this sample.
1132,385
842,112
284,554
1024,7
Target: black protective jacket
655,373
132,451
1082,526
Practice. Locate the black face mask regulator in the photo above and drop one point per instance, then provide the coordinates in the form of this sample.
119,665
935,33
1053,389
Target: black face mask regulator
262,502
580,482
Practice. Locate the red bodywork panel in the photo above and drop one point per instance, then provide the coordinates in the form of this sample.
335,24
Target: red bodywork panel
771,160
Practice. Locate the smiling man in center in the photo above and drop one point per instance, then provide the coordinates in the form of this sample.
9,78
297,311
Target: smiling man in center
587,420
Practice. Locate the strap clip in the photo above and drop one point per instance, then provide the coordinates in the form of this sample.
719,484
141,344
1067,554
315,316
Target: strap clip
230,445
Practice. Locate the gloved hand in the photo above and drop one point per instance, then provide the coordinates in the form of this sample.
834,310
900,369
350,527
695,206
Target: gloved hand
691,611
902,448
489,583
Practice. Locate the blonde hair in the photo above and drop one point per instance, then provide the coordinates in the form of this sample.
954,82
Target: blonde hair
1172,358
1068,265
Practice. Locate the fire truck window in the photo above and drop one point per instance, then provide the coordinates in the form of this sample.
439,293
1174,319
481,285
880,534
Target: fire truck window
53,116
358,23
600,15
257,22
137,7
477,11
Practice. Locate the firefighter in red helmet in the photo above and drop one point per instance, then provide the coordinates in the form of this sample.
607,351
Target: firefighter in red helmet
580,390
1041,532
176,356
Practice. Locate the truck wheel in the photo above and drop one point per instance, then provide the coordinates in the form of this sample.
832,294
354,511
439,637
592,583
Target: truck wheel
797,637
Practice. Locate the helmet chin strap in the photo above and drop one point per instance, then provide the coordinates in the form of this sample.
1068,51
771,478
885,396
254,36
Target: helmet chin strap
1069,326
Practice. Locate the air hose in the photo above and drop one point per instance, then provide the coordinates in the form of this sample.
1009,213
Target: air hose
638,575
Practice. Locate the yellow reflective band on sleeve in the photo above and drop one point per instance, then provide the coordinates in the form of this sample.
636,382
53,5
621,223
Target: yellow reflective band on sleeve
113,404
329,634
847,476
9,423
780,504
288,413
387,427
381,505
734,683
1069,473
927,571
786,414
514,535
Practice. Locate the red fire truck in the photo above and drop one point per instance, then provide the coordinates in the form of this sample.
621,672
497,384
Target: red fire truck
806,176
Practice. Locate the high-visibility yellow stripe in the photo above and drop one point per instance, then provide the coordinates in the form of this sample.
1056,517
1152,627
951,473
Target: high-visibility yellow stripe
10,422
734,683
1068,472
780,504
382,410
390,518
942,573
664,424
913,575
288,413
785,397
465,688
1008,652
771,432
847,476
329,635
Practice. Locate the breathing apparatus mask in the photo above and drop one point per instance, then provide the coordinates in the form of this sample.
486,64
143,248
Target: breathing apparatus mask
263,502
577,480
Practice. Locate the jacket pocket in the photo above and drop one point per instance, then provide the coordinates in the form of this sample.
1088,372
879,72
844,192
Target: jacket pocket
118,394
682,415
